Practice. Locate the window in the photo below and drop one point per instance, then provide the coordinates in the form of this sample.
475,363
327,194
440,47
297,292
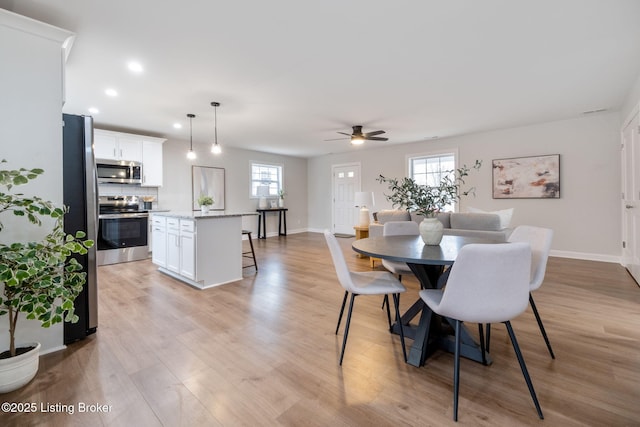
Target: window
430,169
266,180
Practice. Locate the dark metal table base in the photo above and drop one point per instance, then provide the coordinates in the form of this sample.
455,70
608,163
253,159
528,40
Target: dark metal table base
434,331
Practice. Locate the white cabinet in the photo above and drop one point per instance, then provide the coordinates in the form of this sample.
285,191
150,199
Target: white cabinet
173,245
117,146
187,249
139,148
151,163
202,250
181,247
159,241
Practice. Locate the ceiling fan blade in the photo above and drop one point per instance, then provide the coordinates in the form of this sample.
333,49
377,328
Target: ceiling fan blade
376,138
348,134
374,133
336,139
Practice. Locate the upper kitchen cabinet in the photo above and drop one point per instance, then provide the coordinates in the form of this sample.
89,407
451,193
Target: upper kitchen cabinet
152,162
139,148
117,146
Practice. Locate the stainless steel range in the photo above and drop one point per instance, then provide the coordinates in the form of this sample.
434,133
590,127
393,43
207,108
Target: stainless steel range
122,230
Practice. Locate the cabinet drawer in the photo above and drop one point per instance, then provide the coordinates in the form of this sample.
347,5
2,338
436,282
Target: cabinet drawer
160,221
173,223
187,225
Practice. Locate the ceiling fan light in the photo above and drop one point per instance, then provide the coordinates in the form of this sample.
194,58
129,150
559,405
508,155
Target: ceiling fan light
357,140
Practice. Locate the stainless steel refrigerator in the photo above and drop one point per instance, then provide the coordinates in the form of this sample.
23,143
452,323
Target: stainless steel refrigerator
80,195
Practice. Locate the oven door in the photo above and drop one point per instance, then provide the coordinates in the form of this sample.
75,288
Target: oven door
117,231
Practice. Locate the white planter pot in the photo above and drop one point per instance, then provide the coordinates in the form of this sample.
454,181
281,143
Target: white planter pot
205,209
431,230
281,203
16,372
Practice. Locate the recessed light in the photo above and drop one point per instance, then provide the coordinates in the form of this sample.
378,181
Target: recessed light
135,67
177,125
94,110
111,92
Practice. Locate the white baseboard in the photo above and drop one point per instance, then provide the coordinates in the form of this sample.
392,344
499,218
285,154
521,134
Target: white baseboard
586,256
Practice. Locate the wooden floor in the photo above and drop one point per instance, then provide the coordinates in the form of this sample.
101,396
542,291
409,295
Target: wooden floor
262,352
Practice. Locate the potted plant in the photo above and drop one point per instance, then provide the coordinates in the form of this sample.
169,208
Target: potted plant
205,203
39,279
281,195
429,200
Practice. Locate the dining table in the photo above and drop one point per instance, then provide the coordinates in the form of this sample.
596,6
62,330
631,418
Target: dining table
431,265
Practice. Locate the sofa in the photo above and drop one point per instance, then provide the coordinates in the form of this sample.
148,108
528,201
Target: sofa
472,224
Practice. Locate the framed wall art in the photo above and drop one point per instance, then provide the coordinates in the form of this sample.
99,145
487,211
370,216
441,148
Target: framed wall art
208,181
535,177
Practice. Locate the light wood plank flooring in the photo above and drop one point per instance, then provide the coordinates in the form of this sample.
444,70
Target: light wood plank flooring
262,351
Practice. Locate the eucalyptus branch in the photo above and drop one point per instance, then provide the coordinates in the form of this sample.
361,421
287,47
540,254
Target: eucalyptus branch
428,200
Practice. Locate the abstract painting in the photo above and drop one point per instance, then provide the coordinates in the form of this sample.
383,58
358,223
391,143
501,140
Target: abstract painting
536,177
208,181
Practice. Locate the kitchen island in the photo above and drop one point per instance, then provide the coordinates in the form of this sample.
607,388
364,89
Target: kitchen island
202,250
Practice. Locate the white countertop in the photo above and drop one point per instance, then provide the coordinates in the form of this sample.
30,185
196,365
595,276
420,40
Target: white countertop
200,215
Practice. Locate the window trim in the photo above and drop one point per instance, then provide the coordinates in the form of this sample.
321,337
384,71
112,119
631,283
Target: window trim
434,153
253,163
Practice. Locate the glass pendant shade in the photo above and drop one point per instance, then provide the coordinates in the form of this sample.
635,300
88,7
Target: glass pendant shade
215,148
191,155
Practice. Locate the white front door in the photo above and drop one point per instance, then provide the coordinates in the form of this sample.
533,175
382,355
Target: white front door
631,196
346,181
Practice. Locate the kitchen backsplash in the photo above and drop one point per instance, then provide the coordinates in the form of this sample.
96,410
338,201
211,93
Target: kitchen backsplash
128,190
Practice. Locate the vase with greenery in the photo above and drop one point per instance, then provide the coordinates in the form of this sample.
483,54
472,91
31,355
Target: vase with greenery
428,200
281,194
205,203
40,279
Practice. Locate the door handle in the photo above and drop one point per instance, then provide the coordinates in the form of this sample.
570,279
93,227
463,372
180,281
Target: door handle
629,206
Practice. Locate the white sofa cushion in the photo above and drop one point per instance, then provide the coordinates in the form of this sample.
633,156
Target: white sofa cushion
504,214
475,221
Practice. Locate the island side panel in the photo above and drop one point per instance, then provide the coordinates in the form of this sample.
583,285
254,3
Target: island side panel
218,250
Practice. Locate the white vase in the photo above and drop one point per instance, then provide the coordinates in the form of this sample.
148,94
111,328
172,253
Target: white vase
16,372
281,203
205,209
431,230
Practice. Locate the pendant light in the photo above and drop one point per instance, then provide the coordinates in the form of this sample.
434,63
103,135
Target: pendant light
191,155
215,148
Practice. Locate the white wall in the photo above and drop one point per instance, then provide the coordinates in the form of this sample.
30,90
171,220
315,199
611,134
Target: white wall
31,134
175,194
586,219
631,102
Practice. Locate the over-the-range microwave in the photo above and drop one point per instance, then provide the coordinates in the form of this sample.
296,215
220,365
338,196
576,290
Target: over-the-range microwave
118,171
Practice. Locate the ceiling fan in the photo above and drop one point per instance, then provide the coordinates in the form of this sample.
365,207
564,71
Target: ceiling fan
357,137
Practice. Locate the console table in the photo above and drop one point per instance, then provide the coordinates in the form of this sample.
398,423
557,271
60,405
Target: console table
262,221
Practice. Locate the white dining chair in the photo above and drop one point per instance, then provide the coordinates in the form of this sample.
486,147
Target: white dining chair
540,240
398,228
363,283
488,283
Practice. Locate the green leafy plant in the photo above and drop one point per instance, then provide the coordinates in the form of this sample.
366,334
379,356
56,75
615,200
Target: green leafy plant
428,200
281,193
39,279
204,200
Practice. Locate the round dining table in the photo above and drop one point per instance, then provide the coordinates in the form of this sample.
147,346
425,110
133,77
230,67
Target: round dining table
430,265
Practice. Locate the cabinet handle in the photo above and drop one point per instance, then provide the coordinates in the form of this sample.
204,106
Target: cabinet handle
121,153
114,152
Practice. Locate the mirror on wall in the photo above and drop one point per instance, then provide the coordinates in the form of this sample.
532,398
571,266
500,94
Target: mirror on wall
208,181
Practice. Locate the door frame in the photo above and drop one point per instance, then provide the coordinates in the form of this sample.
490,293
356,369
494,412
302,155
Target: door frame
358,187
625,151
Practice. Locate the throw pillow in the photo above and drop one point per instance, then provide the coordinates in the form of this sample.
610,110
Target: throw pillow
504,214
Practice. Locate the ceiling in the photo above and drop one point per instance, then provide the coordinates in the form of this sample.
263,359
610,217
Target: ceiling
289,74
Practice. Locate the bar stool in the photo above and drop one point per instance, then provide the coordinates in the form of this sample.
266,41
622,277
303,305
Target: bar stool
252,252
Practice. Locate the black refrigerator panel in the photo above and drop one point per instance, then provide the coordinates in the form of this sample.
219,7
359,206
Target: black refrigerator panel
80,197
